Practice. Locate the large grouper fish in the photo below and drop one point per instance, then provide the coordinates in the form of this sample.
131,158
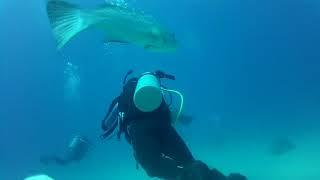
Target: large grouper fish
119,24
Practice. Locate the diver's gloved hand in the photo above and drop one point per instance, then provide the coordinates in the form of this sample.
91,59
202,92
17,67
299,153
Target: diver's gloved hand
236,176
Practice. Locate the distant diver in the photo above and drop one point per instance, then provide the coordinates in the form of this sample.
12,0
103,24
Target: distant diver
119,24
142,114
76,151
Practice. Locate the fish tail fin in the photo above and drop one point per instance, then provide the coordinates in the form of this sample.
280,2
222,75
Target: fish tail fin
66,20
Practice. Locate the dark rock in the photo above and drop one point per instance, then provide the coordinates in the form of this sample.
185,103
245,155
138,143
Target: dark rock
282,146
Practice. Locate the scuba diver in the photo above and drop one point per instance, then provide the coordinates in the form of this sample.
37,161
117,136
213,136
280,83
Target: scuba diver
142,114
76,151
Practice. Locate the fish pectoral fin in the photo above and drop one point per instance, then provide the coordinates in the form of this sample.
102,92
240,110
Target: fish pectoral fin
115,41
148,47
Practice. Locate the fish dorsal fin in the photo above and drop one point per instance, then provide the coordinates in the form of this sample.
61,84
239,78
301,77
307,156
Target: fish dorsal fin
108,5
105,5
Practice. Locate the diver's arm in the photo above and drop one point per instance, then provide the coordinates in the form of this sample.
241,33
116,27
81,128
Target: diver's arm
61,161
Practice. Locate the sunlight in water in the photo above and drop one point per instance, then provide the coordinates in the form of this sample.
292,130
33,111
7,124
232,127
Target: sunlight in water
72,82
121,3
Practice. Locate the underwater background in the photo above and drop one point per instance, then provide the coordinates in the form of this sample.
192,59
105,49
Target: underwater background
249,71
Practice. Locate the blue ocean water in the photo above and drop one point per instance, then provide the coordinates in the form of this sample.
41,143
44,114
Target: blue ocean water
249,71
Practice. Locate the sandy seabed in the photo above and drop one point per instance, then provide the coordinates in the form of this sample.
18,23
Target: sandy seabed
247,156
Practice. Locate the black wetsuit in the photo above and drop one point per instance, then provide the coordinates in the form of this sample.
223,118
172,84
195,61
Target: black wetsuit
157,146
162,153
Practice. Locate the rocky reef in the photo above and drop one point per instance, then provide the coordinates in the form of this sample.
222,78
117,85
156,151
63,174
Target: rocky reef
281,146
